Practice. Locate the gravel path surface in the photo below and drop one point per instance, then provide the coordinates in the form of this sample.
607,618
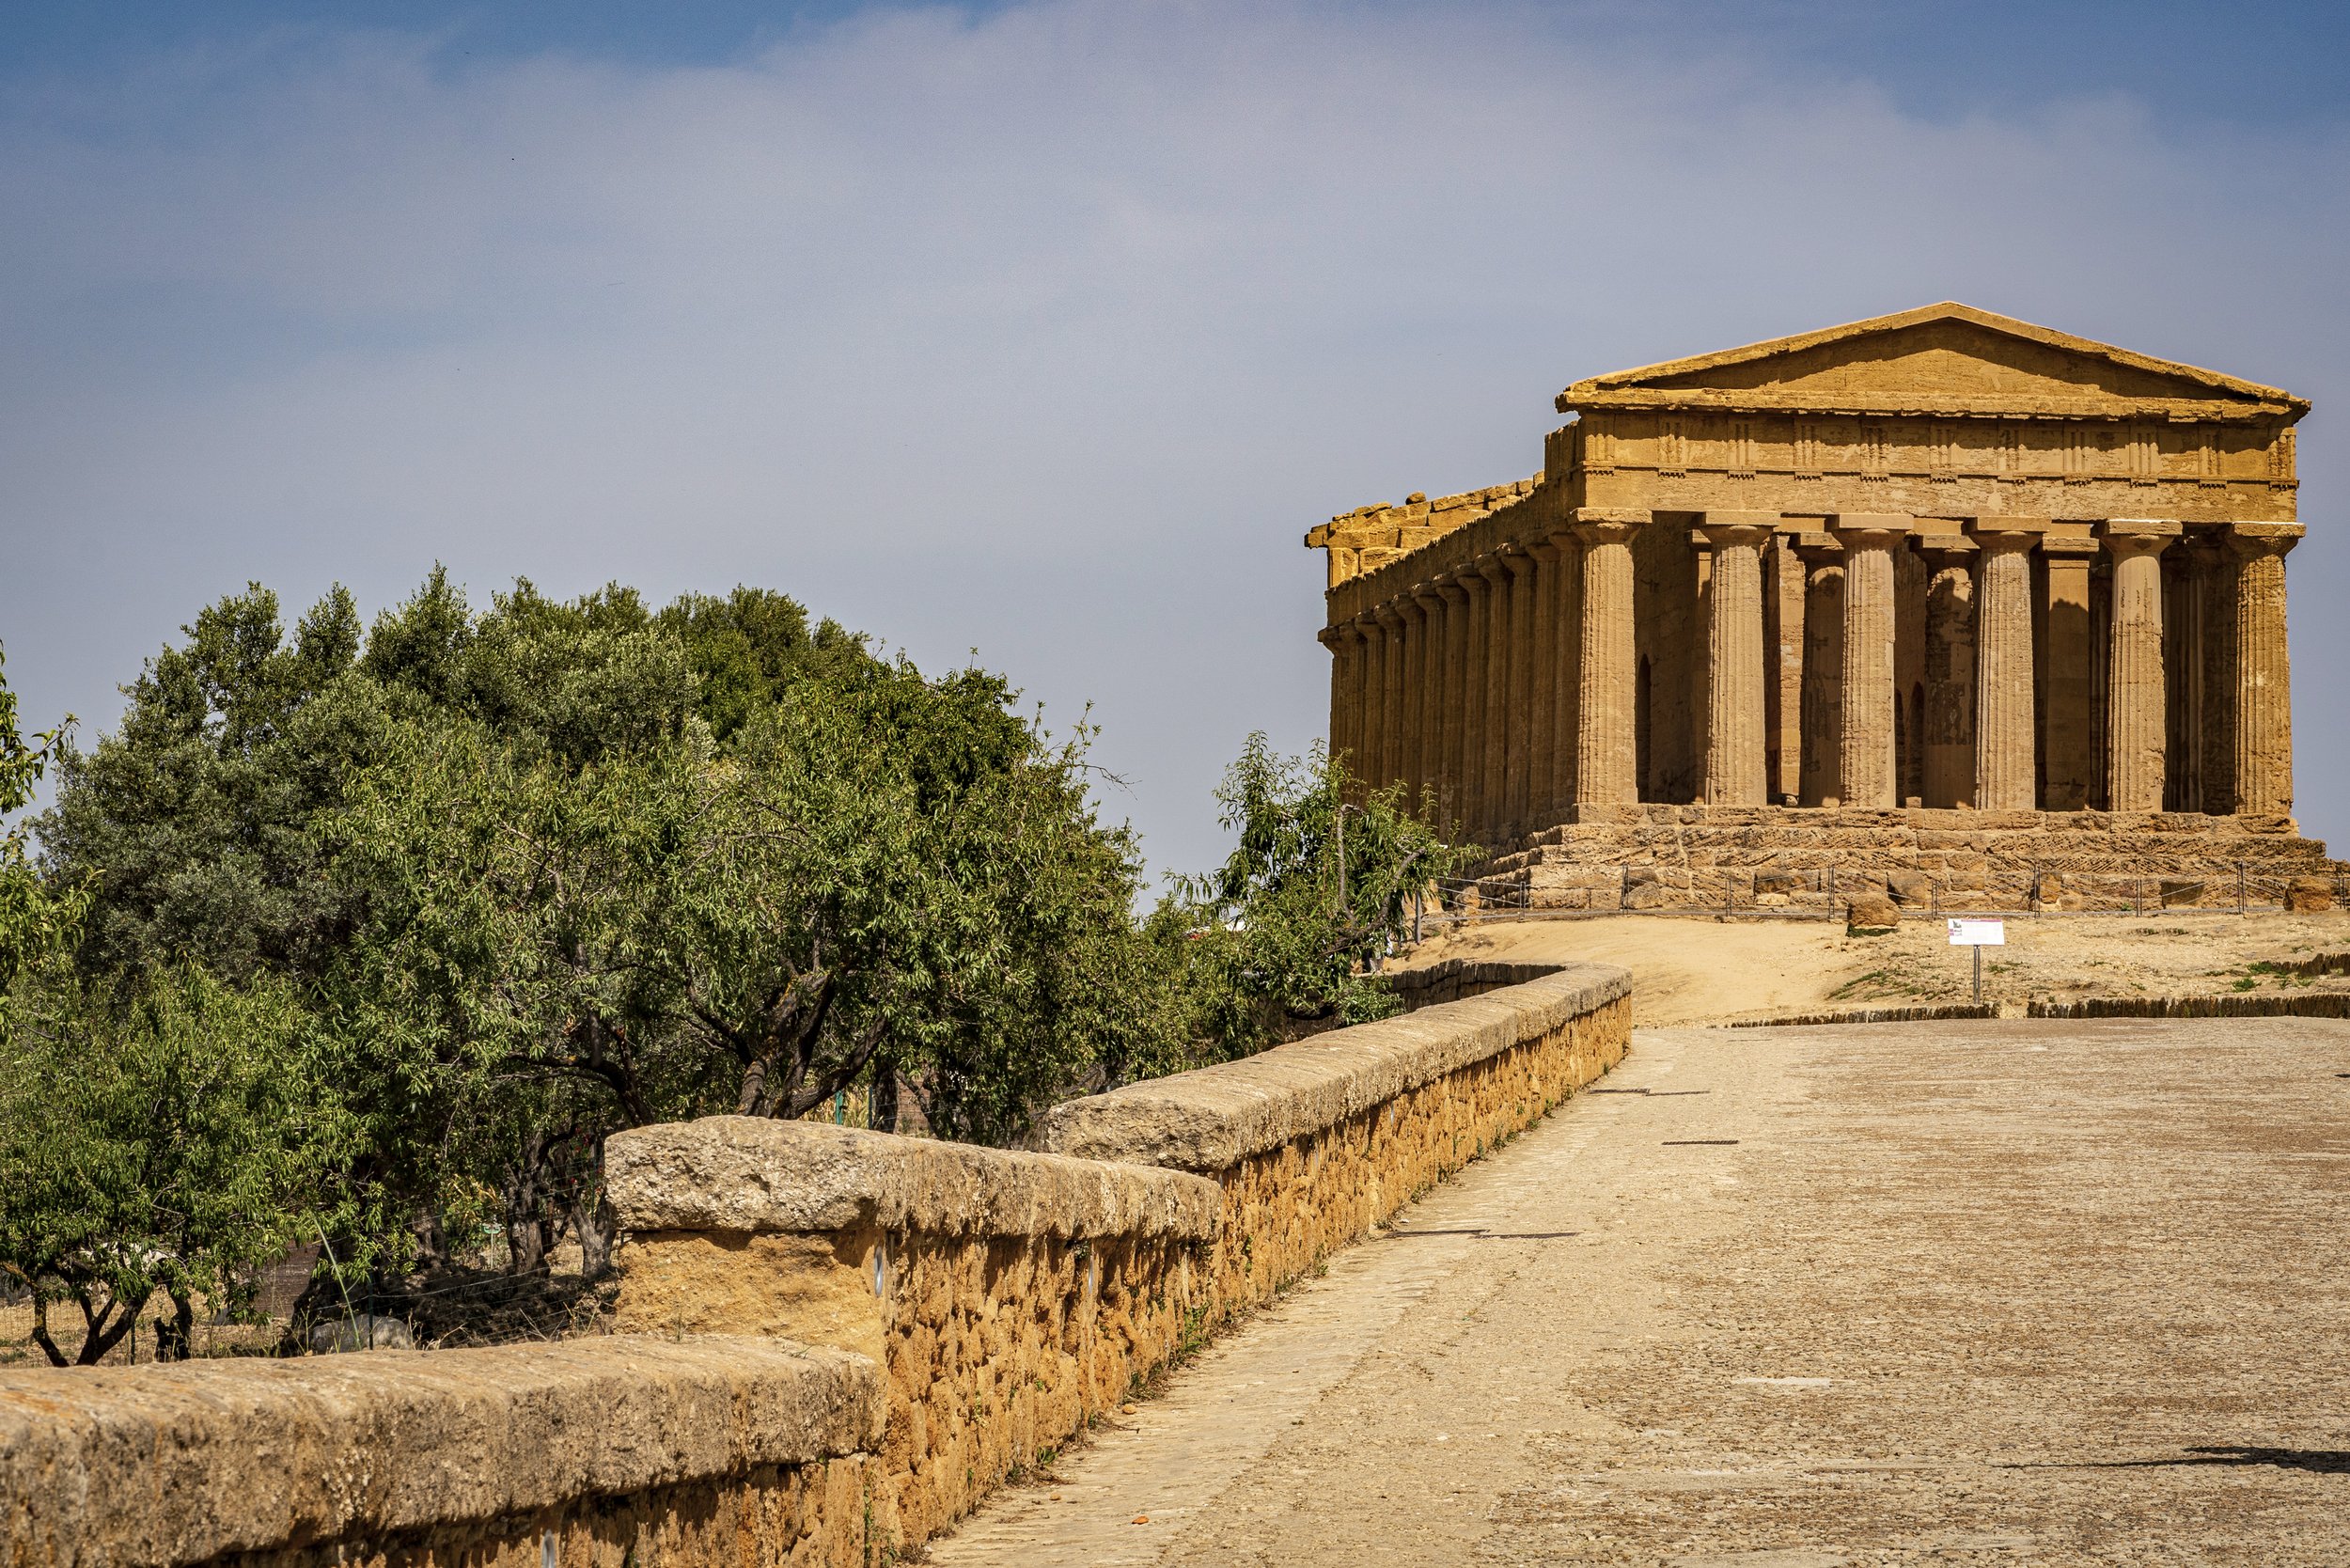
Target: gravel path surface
1971,1292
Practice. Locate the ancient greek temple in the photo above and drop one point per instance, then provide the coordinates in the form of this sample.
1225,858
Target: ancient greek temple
1932,573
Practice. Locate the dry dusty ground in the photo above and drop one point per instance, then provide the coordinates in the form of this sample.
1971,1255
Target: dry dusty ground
1697,969
1951,1292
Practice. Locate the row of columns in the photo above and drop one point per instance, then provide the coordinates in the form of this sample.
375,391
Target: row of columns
1503,694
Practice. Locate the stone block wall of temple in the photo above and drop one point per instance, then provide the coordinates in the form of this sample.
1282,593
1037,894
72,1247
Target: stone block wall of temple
1942,560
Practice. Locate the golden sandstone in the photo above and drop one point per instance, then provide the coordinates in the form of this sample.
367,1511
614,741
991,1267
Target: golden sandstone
1838,598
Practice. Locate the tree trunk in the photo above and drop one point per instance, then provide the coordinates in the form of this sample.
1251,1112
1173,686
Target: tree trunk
175,1340
597,1223
884,1116
525,1216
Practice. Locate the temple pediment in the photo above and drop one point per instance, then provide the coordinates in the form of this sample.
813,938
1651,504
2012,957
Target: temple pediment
1942,359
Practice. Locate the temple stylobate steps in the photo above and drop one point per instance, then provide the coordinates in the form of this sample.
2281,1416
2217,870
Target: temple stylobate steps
1765,858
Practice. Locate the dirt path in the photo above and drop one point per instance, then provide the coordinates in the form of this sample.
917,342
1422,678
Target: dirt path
1957,1293
1695,968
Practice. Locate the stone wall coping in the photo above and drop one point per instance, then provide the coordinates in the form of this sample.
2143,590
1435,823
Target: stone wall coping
1211,1119
748,1173
108,1467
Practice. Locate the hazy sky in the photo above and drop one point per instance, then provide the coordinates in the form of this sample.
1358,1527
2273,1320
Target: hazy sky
1046,330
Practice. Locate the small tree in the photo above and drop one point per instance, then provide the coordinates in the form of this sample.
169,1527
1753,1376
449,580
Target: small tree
165,1137
1277,941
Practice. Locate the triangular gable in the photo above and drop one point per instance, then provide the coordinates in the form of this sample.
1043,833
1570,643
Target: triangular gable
1945,358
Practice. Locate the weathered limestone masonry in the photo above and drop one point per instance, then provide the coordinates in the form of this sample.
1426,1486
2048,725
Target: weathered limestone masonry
834,1341
593,1452
1012,1297
1941,561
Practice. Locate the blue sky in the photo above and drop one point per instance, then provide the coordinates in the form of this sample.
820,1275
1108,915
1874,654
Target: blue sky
1047,329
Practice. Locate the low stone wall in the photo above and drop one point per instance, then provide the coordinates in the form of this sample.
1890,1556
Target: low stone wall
834,1341
1005,1295
541,1456
1452,980
1011,1297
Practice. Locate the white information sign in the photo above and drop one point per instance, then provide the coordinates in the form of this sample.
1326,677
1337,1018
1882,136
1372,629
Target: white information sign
1978,933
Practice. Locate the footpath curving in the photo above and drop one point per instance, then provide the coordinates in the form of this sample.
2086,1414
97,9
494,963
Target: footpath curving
833,1342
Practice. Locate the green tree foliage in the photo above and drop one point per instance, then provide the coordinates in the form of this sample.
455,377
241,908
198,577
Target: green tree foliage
37,913
168,1134
1275,942
556,869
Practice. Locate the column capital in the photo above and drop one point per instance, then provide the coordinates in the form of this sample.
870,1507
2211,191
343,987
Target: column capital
1546,549
1723,530
1516,560
1877,528
1488,566
1449,586
1388,615
1365,624
1330,637
2128,538
1427,594
2264,538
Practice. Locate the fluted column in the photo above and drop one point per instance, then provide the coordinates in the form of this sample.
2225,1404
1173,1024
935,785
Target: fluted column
1431,774
1476,643
1408,761
1542,804
1866,754
1340,640
1782,656
1390,694
2003,771
1950,668
1516,775
1372,686
1821,779
1735,771
2264,667
1455,712
1493,810
1606,763
2136,714
1567,654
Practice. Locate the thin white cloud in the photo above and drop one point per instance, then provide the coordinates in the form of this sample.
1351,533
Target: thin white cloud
1045,334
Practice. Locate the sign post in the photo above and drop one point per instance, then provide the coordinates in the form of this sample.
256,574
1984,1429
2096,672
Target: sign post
1977,935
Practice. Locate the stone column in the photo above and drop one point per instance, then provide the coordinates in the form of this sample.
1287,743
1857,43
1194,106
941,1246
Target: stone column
1414,673
1475,642
1866,756
1373,688
1700,712
2264,667
1606,764
2136,711
1735,771
1432,771
1494,769
1819,775
1542,803
1566,653
1517,772
1390,694
1340,640
1456,627
2209,658
1783,660
1950,668
2065,729
2003,774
